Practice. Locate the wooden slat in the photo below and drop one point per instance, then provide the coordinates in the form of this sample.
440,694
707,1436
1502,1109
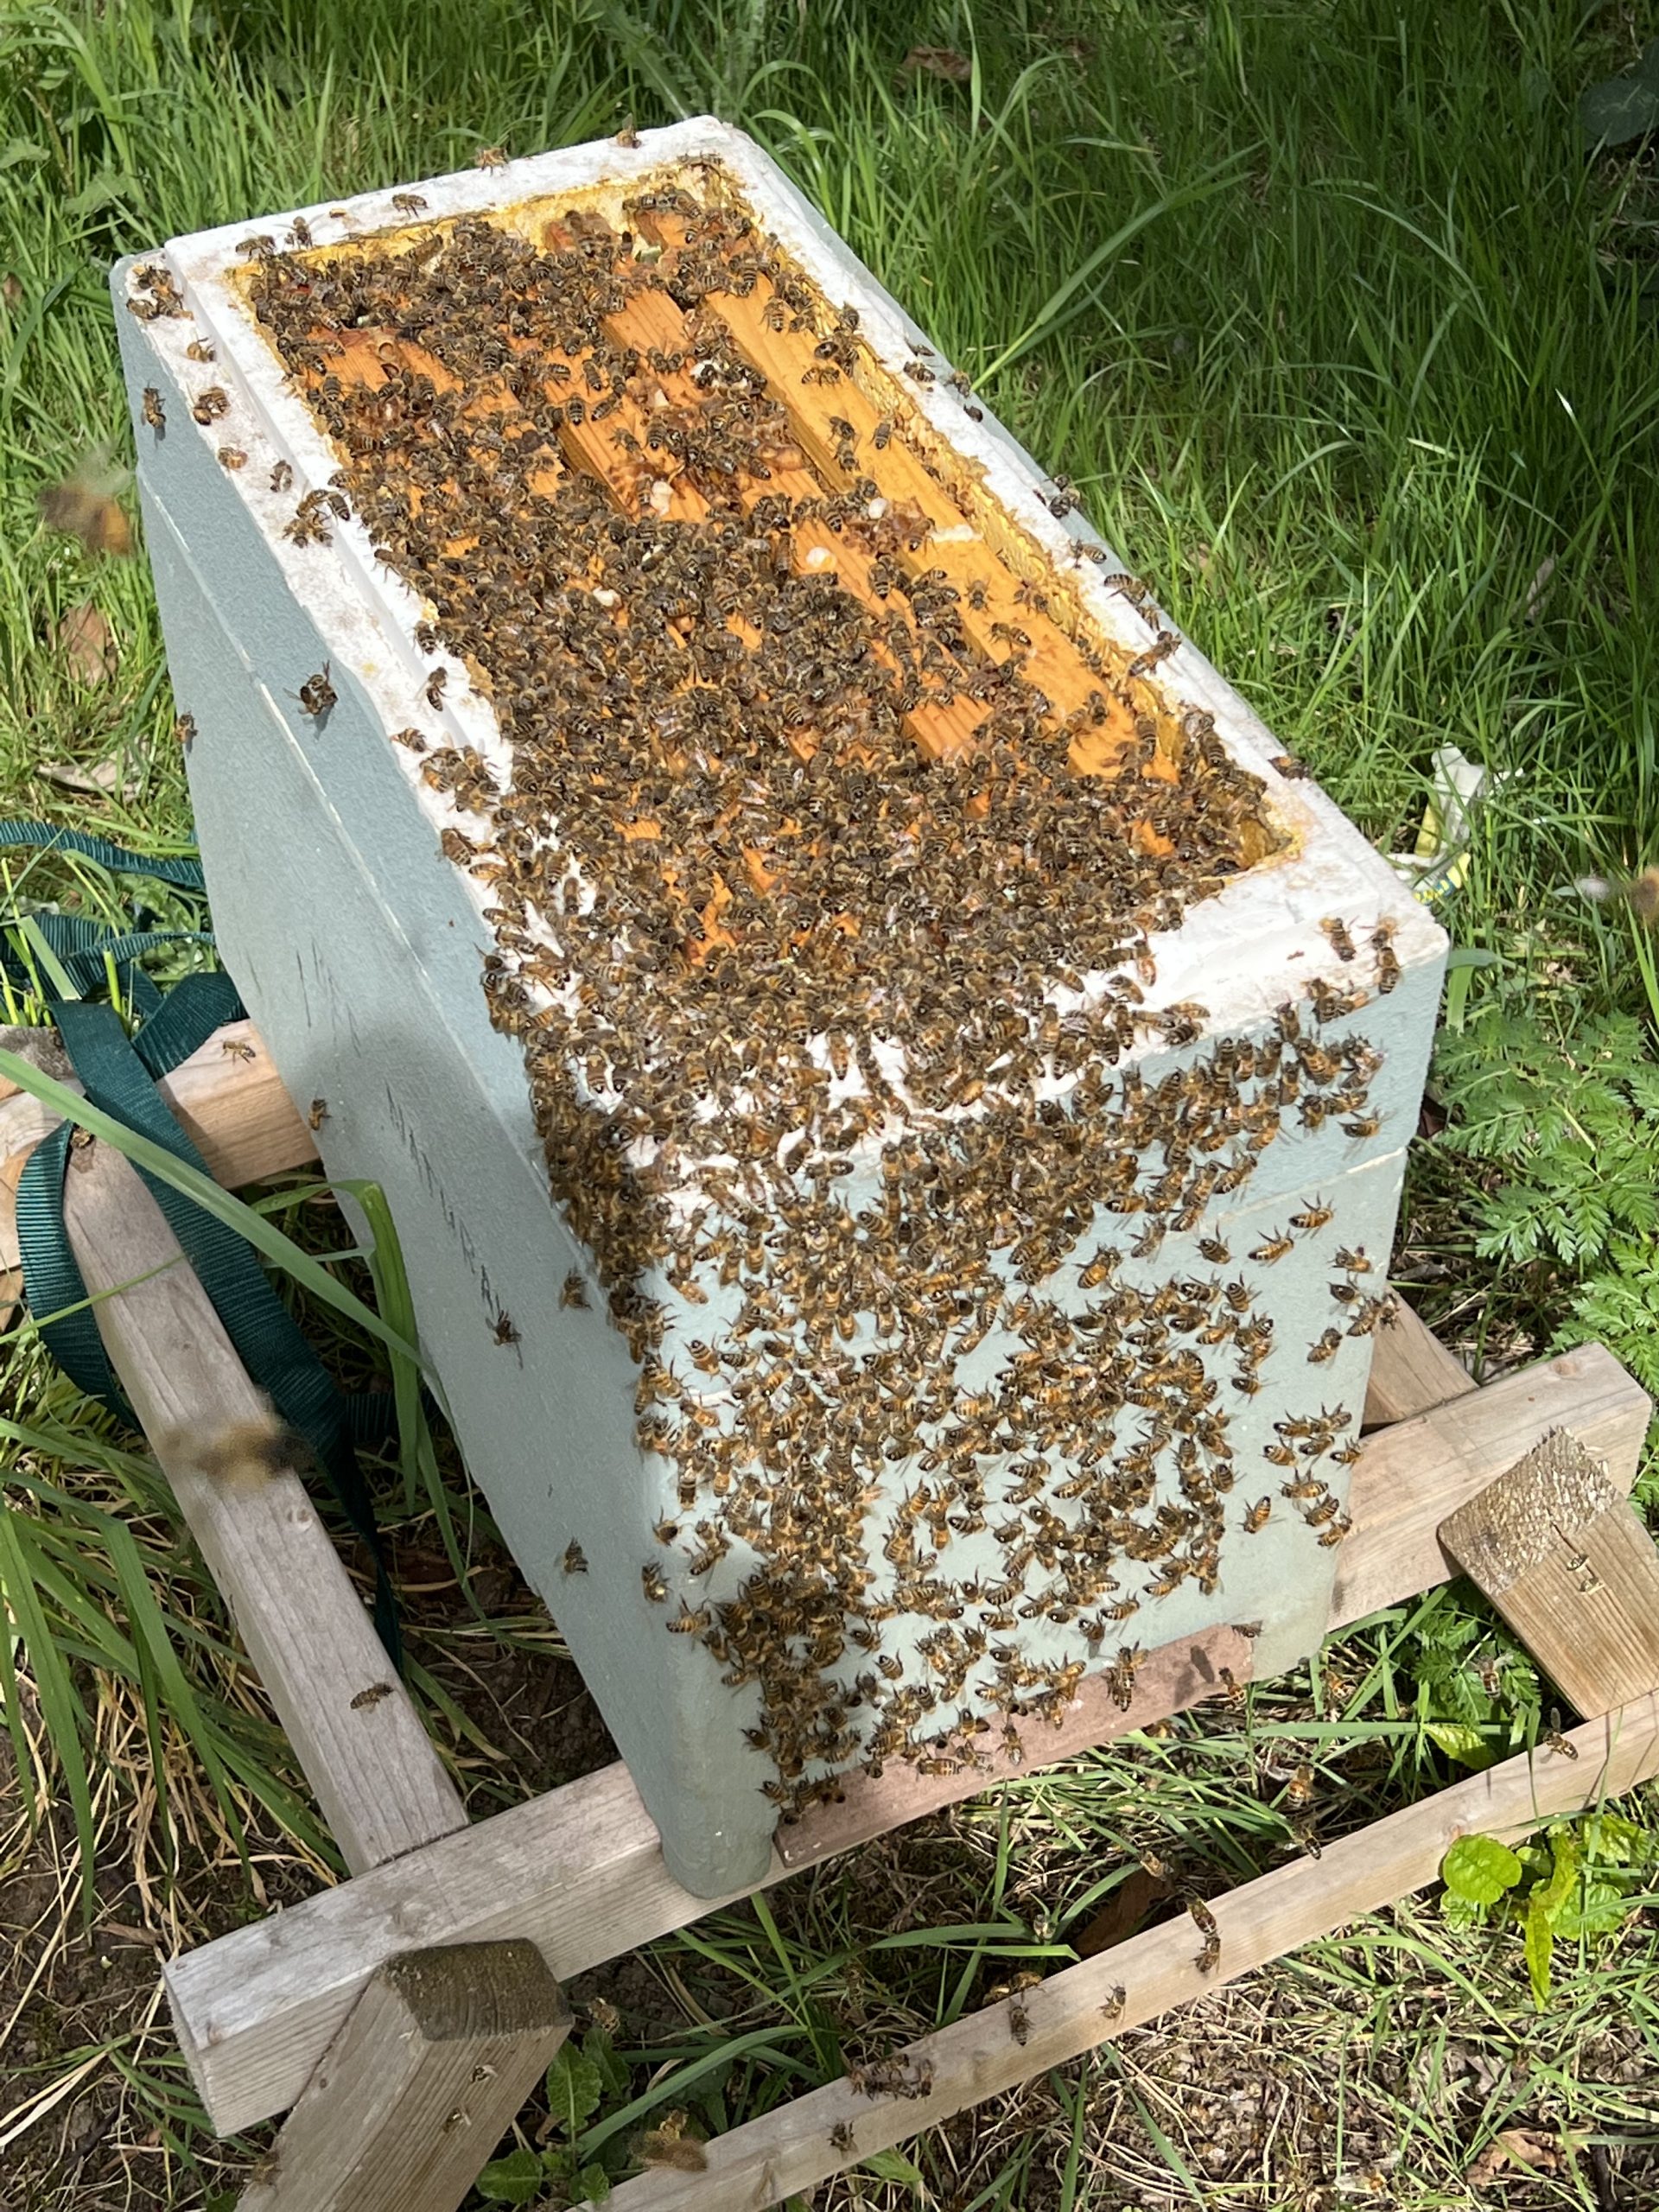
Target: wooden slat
1410,1476
579,1872
419,2086
1568,1562
1411,1370
798,2145
377,1779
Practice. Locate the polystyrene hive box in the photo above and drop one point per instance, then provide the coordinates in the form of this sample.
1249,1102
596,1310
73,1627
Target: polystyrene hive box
893,1103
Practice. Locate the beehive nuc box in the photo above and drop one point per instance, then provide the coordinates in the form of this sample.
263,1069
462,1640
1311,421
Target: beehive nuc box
892,1091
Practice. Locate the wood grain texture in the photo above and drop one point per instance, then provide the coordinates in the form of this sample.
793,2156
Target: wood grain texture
1411,1371
1568,1562
1409,1478
378,1780
803,2143
419,2086
579,1872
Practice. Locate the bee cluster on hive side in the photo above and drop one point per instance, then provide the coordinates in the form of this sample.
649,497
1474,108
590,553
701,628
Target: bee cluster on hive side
822,883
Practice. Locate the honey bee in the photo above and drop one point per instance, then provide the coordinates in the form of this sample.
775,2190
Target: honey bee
318,1114
842,2140
1214,1251
259,247
505,1328
1112,2004
1354,1263
573,1291
575,1559
184,728
1342,943
688,1623
1019,2020
232,457
489,158
299,233
1271,1247
200,350
281,476
433,689
654,1582
236,1048
1313,1217
317,696
1159,649
1121,1675
210,403
154,413
1257,1516
85,506
408,203
410,738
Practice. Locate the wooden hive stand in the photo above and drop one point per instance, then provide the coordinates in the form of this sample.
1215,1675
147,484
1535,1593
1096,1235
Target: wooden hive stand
402,2018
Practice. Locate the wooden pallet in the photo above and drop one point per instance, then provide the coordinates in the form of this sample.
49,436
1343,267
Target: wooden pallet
402,2018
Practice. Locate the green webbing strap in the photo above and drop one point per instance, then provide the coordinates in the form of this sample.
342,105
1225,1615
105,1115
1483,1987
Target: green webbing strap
119,1075
21,830
52,1281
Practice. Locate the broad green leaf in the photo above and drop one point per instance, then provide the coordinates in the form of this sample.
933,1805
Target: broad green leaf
515,2179
598,2049
1480,1869
1598,1909
1551,1896
1541,1945
16,151
1467,1745
1619,110
892,2165
574,2086
595,2184
1610,1836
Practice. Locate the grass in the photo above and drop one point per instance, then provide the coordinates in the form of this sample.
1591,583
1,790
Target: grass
1340,334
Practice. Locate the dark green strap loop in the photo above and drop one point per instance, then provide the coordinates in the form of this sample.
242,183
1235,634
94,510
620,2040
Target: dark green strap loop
23,830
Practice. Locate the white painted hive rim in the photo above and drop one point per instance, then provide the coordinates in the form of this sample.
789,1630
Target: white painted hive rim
1239,953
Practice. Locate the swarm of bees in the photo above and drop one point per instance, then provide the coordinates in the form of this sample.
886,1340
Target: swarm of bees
831,973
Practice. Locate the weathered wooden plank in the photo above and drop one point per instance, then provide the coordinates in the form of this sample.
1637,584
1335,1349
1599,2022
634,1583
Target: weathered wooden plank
1411,1370
1568,1562
419,2086
579,1873
378,1780
1408,1478
805,2142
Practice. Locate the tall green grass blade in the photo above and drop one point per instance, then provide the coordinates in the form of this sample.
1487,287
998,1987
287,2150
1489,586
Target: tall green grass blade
59,1706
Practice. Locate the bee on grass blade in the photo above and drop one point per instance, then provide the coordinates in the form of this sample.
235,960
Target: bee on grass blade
84,505
1639,892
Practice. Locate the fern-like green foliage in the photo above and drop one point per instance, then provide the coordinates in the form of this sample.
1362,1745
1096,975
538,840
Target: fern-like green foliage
1560,1126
